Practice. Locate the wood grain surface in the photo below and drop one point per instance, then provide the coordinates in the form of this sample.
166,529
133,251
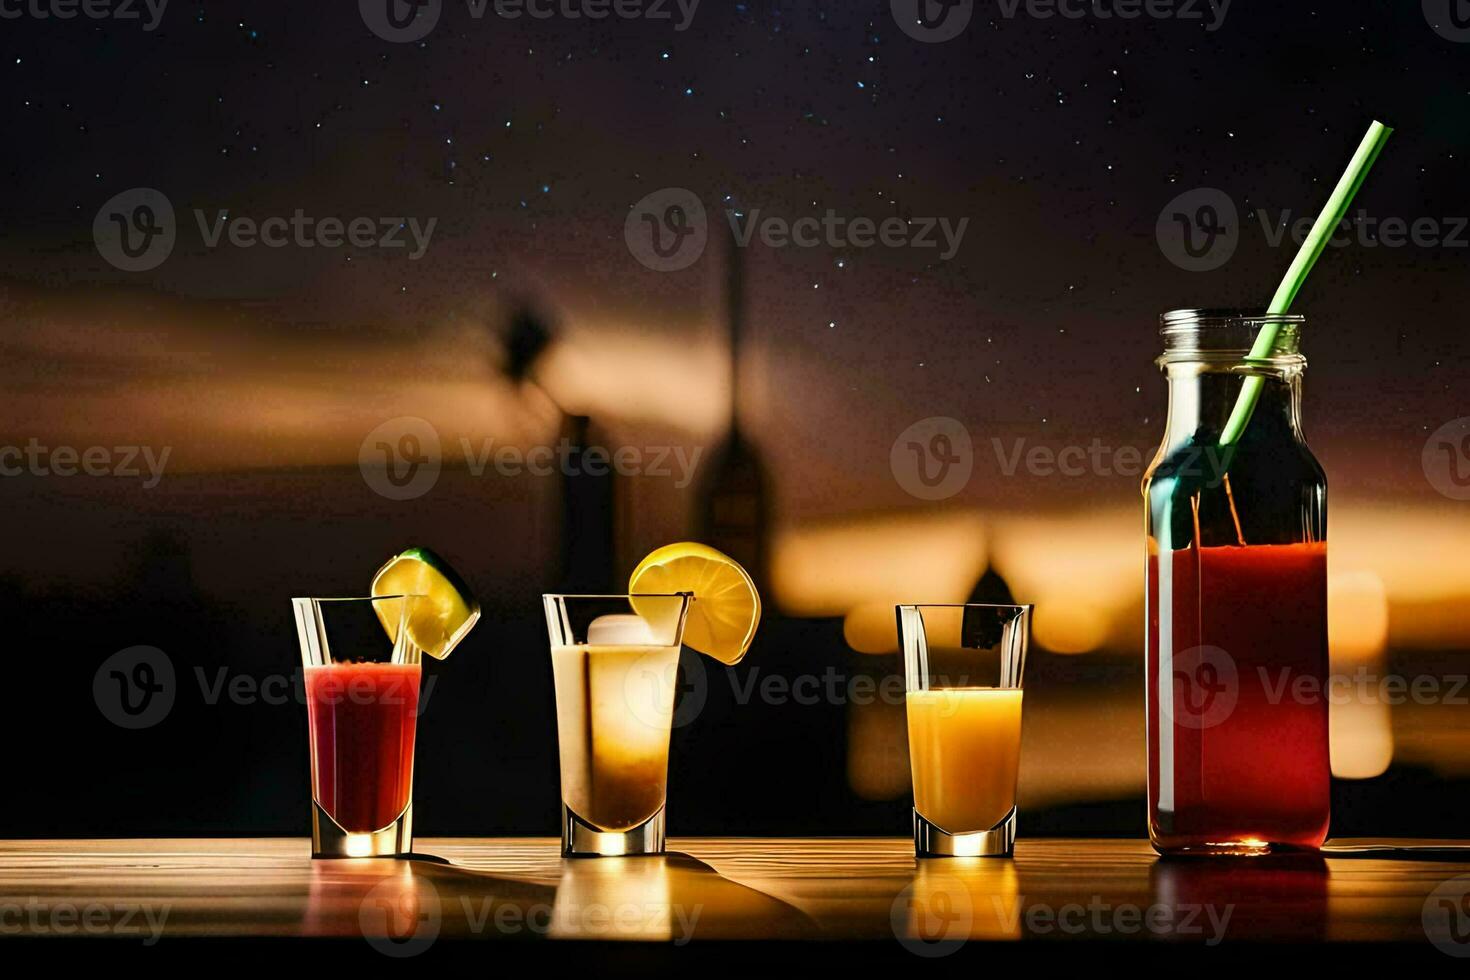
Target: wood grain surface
710,889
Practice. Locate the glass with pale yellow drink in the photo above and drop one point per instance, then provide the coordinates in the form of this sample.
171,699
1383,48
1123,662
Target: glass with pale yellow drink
615,662
962,668
614,711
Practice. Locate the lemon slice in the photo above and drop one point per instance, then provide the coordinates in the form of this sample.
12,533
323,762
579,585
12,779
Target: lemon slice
445,610
726,607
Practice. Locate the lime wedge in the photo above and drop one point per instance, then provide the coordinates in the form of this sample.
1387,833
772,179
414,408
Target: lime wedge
444,610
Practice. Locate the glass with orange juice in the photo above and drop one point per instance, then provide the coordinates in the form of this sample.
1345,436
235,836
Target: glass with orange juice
962,668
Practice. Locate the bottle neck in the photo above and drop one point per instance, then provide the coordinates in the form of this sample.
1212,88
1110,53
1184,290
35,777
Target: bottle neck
1211,355
1264,486
1203,395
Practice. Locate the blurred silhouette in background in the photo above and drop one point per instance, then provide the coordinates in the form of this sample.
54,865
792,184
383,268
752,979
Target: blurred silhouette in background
588,531
734,508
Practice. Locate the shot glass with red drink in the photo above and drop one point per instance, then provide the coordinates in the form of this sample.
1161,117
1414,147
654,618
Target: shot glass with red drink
362,702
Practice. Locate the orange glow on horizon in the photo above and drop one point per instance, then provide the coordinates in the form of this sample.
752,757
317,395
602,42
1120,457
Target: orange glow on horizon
1361,723
871,563
1397,579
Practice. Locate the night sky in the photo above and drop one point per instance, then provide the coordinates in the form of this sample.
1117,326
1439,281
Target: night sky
528,141
1061,145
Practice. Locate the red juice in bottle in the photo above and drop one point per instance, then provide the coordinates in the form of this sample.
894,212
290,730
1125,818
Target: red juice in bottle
1239,759
1235,598
363,718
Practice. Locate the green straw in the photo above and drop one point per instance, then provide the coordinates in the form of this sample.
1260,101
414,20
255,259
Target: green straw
1327,223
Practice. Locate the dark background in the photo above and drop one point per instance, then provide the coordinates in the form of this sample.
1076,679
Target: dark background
263,370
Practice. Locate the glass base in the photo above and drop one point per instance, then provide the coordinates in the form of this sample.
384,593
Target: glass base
998,841
1238,848
329,840
580,839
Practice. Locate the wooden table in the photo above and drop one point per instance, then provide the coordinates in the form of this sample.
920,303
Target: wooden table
864,897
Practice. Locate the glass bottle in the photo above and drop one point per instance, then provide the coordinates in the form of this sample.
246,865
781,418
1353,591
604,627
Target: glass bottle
1236,599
